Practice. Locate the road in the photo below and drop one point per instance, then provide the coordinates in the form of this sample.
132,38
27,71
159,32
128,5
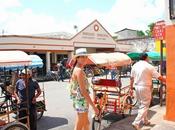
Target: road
60,114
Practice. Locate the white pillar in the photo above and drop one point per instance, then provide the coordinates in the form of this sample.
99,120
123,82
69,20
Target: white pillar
54,57
70,54
47,61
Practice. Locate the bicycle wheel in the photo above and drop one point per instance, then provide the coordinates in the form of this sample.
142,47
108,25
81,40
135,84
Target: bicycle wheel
134,98
162,94
127,106
15,126
96,124
39,114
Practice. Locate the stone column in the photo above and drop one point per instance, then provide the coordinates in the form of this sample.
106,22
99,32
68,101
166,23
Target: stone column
48,61
54,57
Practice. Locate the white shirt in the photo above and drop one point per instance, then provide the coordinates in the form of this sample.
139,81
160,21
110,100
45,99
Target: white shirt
143,72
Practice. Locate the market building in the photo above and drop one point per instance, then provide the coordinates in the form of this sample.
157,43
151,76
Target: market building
94,37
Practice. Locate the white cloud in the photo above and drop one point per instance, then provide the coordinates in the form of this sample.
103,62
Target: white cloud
5,14
134,14
27,22
4,4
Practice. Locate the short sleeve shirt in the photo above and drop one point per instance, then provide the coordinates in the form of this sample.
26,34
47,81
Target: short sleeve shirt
21,89
143,72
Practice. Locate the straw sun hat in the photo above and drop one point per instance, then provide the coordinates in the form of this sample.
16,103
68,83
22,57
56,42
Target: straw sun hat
80,52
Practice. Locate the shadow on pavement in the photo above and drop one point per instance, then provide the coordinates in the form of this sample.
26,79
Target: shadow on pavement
120,123
113,117
151,113
47,122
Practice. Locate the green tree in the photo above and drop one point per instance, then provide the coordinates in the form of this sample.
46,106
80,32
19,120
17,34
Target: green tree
150,29
140,33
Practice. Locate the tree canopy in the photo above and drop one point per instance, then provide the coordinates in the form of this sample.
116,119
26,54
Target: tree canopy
150,29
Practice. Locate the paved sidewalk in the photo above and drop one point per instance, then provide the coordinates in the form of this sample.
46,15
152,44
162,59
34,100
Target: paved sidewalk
156,114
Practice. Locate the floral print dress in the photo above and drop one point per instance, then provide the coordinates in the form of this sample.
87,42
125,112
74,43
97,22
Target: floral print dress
79,102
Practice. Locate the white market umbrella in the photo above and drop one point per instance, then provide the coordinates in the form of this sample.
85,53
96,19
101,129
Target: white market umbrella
14,58
109,59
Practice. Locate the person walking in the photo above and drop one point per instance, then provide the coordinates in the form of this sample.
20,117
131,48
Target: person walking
141,79
61,72
23,98
79,91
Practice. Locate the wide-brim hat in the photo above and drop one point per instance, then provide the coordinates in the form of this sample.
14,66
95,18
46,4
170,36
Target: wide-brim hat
80,52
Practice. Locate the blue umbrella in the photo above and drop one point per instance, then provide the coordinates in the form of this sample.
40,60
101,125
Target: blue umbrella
36,61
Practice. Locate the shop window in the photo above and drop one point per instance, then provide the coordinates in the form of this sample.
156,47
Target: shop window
172,9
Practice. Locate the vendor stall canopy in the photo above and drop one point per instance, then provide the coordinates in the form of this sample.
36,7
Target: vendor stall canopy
154,56
13,60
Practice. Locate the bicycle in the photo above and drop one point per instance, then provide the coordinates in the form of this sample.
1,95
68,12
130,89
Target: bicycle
12,103
162,94
52,75
161,91
7,108
109,98
14,126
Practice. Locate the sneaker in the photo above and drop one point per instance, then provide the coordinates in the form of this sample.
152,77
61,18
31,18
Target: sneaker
136,127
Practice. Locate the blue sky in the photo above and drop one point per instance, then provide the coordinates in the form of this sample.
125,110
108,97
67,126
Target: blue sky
44,16
66,9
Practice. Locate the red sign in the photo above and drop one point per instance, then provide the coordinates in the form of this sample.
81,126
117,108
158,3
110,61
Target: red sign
159,30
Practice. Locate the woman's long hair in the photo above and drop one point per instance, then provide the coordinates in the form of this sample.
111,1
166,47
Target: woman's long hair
73,67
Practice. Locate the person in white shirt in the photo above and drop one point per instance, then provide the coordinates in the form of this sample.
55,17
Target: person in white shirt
141,79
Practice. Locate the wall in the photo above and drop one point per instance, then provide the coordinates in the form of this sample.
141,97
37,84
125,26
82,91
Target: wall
126,34
170,47
34,43
157,47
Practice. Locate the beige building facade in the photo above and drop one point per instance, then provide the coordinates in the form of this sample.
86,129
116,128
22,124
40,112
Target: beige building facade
94,37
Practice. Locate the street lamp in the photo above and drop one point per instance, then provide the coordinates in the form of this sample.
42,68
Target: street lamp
76,28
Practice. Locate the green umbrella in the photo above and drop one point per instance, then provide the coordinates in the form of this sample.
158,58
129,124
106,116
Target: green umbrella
155,56
134,55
